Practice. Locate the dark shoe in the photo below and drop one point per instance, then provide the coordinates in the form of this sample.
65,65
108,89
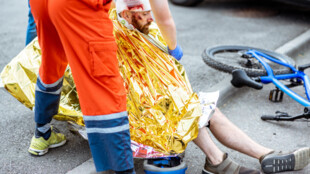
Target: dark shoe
276,162
227,166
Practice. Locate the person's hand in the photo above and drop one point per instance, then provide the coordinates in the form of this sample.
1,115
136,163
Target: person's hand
177,53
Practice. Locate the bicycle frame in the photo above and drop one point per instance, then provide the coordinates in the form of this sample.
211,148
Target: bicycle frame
275,79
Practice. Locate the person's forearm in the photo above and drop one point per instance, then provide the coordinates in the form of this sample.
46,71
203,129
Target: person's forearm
112,4
165,22
168,30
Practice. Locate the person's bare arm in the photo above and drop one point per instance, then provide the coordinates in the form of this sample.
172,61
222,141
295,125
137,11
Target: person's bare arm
165,21
112,4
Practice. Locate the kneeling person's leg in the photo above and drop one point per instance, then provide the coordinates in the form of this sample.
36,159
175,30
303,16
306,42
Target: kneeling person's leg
109,141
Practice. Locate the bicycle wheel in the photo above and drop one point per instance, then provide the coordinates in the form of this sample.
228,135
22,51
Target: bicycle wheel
229,58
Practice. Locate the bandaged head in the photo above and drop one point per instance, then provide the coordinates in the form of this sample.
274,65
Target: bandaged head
135,14
132,5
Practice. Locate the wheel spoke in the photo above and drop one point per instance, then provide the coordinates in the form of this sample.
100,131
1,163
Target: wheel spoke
232,58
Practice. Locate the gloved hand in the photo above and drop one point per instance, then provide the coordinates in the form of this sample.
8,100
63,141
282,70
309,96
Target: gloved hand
177,53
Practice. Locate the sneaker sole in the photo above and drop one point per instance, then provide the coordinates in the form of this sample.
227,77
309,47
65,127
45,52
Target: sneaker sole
302,158
37,152
295,161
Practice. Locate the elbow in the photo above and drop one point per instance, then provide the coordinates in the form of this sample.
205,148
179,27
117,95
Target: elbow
167,22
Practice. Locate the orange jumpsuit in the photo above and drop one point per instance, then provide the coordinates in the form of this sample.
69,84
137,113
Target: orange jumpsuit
79,32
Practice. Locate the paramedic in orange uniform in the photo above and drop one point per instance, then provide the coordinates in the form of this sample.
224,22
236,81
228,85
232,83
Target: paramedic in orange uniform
79,33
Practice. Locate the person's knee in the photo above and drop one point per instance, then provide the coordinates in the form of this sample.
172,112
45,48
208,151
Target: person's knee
217,117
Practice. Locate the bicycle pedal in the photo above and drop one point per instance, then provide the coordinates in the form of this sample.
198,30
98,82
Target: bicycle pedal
276,95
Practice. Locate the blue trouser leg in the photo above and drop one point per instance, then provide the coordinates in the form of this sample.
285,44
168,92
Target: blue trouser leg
47,97
109,138
31,28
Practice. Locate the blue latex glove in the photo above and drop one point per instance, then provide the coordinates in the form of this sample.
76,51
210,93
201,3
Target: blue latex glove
177,53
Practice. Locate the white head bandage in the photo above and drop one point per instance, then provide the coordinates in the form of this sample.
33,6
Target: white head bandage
132,5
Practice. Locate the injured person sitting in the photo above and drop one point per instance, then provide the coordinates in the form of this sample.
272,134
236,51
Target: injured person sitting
222,129
164,113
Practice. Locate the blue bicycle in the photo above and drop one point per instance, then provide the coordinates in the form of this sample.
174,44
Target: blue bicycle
254,67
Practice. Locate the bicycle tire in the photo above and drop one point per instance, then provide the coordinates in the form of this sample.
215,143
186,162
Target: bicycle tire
230,64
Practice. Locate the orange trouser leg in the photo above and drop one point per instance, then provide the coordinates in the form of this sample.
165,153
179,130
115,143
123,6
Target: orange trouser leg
53,65
75,30
86,36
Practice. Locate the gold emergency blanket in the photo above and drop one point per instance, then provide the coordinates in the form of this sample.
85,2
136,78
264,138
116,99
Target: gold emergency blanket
163,110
